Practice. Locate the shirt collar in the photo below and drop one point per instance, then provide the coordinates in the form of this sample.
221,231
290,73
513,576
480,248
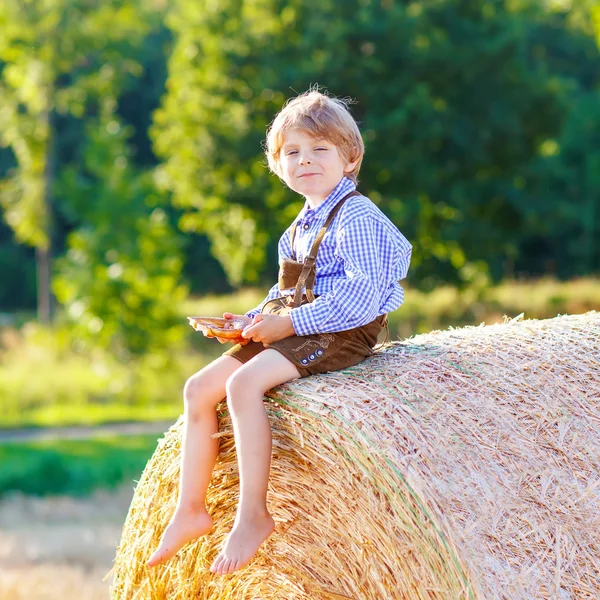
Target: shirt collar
343,188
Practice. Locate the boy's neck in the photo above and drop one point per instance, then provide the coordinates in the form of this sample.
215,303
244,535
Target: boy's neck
315,201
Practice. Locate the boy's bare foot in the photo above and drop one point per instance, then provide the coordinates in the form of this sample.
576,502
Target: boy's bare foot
183,528
242,543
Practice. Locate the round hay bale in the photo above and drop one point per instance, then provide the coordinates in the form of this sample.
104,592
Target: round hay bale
457,464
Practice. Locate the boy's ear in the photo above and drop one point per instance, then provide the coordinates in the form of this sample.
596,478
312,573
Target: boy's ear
350,166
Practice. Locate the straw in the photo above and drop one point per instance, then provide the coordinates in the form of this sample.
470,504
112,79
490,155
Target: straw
462,464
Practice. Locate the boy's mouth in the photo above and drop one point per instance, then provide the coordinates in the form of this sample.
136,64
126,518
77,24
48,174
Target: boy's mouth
308,174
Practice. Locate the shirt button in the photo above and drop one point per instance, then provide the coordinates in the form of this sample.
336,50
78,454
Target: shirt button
306,225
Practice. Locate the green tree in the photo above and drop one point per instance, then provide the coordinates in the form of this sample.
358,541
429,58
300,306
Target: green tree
563,214
57,58
455,100
119,280
560,203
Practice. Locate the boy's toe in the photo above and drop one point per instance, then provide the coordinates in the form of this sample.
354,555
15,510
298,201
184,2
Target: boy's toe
227,567
216,564
221,565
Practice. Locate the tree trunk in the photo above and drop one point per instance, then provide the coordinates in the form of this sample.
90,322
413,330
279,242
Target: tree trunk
43,263
43,255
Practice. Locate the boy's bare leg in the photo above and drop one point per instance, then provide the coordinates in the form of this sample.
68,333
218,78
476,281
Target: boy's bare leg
245,393
202,392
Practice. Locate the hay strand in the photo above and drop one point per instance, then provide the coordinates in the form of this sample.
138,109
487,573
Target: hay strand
462,464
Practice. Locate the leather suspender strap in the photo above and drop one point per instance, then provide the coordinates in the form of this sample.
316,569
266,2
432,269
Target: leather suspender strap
329,219
308,273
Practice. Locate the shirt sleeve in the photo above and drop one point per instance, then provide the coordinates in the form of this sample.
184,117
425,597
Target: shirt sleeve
354,299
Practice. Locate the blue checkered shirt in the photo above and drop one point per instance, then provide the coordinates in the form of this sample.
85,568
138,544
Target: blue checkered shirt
359,264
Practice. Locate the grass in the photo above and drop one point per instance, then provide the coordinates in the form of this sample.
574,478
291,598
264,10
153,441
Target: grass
59,547
446,306
88,414
43,383
73,467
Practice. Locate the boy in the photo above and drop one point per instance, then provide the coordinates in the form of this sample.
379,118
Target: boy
347,257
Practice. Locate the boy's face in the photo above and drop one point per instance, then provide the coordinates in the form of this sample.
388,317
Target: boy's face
310,166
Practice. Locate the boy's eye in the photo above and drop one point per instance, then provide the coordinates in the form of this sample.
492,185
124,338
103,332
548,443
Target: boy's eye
320,148
290,152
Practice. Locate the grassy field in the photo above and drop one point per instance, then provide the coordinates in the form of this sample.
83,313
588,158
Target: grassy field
60,548
43,383
73,467
62,507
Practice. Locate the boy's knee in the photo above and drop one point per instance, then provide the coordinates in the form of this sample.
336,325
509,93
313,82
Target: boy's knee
191,390
239,386
202,389
235,385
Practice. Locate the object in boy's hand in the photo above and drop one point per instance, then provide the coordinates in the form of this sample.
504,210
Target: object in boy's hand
226,329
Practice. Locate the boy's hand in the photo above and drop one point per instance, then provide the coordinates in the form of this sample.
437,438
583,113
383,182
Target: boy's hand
269,328
228,316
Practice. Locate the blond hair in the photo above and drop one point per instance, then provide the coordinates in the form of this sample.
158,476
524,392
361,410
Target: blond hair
321,117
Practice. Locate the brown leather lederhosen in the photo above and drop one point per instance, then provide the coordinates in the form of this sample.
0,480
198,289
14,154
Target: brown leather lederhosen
316,353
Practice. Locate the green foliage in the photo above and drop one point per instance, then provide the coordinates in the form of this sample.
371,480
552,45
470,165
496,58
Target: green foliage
564,213
73,467
58,57
480,119
455,100
60,60
16,273
119,280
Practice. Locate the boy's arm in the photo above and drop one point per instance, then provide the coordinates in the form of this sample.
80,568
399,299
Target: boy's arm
374,262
